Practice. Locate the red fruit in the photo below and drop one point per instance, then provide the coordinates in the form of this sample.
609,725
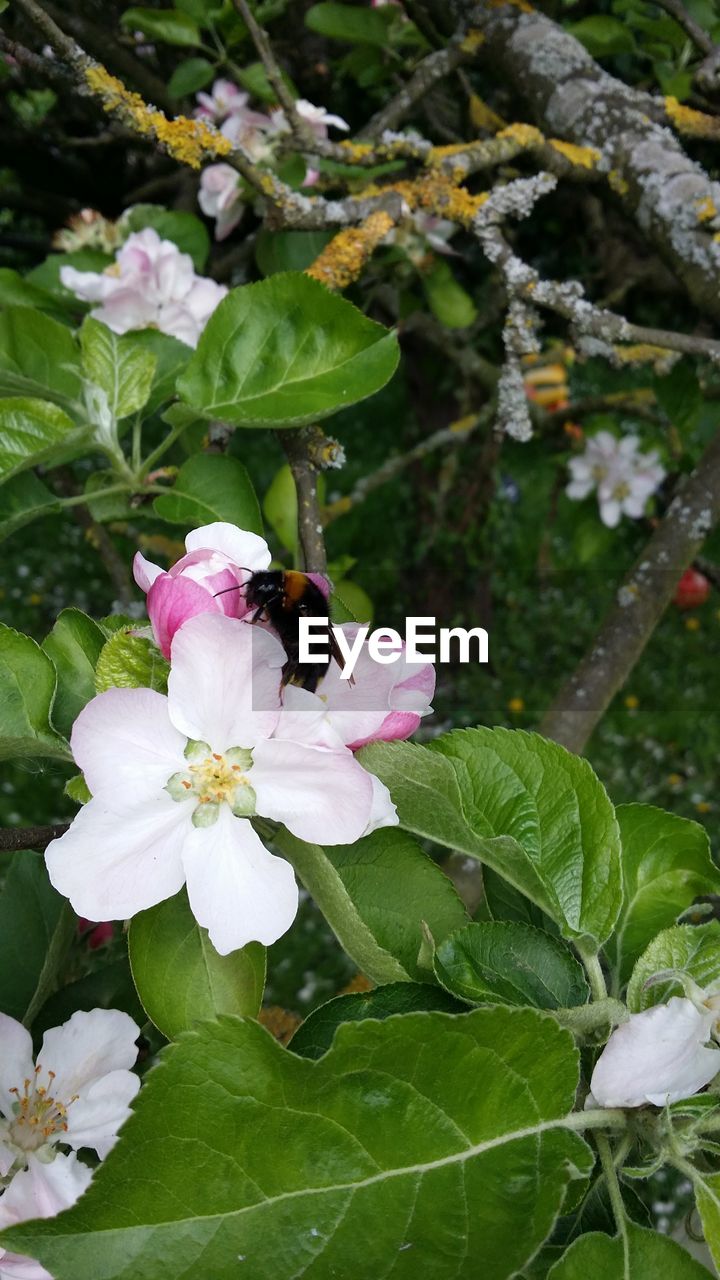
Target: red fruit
693,589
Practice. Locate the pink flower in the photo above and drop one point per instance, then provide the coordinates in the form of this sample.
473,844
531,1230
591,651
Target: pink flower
317,117
385,702
175,781
218,557
224,99
150,285
220,197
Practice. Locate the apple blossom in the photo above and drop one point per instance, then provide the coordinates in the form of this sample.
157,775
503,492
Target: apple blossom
623,477
175,780
220,197
218,556
223,100
40,1191
421,231
150,285
317,118
660,1055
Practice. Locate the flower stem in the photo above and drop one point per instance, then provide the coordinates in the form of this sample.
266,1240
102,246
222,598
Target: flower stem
596,1118
78,499
593,969
616,1200
163,447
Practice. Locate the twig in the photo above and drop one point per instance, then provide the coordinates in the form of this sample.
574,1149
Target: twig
434,67
33,61
14,838
259,38
640,603
310,529
699,37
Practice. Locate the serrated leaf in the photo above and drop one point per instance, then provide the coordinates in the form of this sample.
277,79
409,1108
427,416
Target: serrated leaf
691,949
27,691
284,352
405,1136
179,975
116,364
39,357
31,431
130,662
315,1035
209,487
598,1257
36,927
22,500
168,25
495,963
74,645
529,809
666,864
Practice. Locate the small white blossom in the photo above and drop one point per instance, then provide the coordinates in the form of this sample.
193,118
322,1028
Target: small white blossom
623,477
220,197
660,1055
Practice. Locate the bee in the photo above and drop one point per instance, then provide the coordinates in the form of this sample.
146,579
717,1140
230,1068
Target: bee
282,597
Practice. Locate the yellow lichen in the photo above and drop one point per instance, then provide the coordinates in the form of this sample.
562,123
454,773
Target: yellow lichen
524,134
462,425
356,150
705,209
472,41
641,353
189,141
516,4
694,124
343,259
483,117
617,183
583,157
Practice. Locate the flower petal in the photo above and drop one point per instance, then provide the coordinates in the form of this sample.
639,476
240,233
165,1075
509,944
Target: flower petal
383,812
90,1045
43,1189
145,572
126,746
658,1056
16,1061
95,1118
244,549
113,865
322,796
238,891
171,601
224,684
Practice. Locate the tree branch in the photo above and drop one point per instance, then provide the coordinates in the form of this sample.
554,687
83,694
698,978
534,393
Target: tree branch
14,838
697,34
434,67
640,603
296,444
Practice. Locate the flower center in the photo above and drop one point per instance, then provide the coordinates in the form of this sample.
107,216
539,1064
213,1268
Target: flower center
39,1117
212,779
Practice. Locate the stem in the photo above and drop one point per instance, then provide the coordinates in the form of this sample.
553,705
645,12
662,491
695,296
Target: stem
586,1018
137,444
78,498
162,448
310,525
593,969
616,1200
601,1118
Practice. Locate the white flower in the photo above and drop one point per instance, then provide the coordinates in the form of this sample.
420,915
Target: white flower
150,285
658,1056
224,99
220,197
175,780
420,231
77,1095
623,477
317,118
40,1191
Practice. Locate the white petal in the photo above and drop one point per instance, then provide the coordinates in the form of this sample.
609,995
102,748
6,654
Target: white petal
244,549
111,866
304,718
91,1044
15,1267
8,1156
383,813
238,891
321,796
42,1190
95,1118
658,1056
145,572
224,683
16,1061
126,746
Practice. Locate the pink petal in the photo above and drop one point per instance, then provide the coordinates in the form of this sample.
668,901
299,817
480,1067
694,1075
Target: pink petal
321,796
238,891
224,683
42,1190
126,746
171,601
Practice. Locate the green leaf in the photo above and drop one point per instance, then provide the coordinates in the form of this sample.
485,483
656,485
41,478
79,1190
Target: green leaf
348,23
77,789
707,1195
280,508
74,644
179,975
529,809
599,1257
315,1035
666,864
27,691
288,250
31,431
603,35
109,987
285,352
22,500
495,963
189,76
691,949
184,229
448,301
679,393
121,368
376,895
130,662
168,25
211,486
254,78
38,357
36,928
47,274
171,356
505,902
19,291
405,1137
